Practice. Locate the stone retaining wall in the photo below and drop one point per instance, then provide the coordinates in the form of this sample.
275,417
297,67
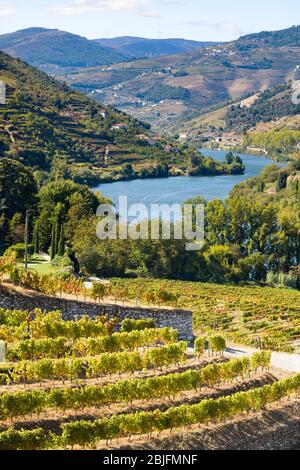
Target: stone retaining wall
181,320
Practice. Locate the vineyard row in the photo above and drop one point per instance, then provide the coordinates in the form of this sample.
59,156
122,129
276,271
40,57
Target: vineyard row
116,342
22,403
87,433
107,363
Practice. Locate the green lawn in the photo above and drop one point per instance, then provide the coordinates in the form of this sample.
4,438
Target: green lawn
39,264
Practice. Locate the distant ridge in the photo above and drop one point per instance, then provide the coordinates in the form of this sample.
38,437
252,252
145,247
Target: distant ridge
137,47
52,47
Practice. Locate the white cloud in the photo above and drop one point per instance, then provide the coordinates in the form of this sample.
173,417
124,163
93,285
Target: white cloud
6,9
77,7
228,28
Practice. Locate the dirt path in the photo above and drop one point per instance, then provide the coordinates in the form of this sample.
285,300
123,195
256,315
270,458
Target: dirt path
279,360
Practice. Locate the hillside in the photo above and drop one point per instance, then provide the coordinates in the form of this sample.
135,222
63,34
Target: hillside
270,105
285,37
51,49
266,122
57,131
51,128
186,84
140,48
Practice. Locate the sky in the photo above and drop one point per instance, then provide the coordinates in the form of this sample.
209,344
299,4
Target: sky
203,20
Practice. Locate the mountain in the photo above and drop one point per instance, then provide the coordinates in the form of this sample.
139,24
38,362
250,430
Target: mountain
284,37
266,123
168,91
59,132
140,48
52,48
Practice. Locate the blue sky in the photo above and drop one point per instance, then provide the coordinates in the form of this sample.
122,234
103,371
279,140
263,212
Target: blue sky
193,19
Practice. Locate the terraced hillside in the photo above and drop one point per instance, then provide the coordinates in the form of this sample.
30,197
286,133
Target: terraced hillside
146,384
50,128
267,122
245,315
208,76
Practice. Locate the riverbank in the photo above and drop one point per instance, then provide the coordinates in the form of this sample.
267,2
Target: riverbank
178,189
244,151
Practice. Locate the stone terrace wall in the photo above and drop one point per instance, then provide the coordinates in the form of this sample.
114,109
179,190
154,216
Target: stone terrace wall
181,320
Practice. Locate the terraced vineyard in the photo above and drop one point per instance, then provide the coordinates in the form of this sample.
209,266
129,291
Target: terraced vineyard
247,315
90,383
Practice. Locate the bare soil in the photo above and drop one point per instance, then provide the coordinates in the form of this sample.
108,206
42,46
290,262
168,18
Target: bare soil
51,420
275,428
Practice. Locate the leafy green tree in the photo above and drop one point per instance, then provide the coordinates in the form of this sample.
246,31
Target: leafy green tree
98,291
17,189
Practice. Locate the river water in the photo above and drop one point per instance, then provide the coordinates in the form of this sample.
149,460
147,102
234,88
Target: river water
179,189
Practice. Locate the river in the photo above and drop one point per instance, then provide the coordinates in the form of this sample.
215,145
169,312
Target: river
179,189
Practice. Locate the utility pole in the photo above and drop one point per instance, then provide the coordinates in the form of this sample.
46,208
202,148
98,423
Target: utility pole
26,238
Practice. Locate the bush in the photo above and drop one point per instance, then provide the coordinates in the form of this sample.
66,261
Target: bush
282,280
217,344
65,265
131,325
19,249
200,345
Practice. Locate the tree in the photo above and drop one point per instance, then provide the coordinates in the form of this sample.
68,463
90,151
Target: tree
17,191
16,229
17,188
53,244
61,243
282,181
36,239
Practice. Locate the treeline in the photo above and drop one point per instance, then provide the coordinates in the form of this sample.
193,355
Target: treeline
277,142
206,166
285,37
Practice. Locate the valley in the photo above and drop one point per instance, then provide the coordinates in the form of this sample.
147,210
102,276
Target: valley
115,336
186,84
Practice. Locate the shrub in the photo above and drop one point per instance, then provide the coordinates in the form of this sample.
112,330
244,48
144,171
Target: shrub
200,345
19,249
131,325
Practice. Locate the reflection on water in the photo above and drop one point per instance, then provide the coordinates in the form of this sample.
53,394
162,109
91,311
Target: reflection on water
179,189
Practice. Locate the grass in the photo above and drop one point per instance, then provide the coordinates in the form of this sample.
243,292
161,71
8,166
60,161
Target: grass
38,264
